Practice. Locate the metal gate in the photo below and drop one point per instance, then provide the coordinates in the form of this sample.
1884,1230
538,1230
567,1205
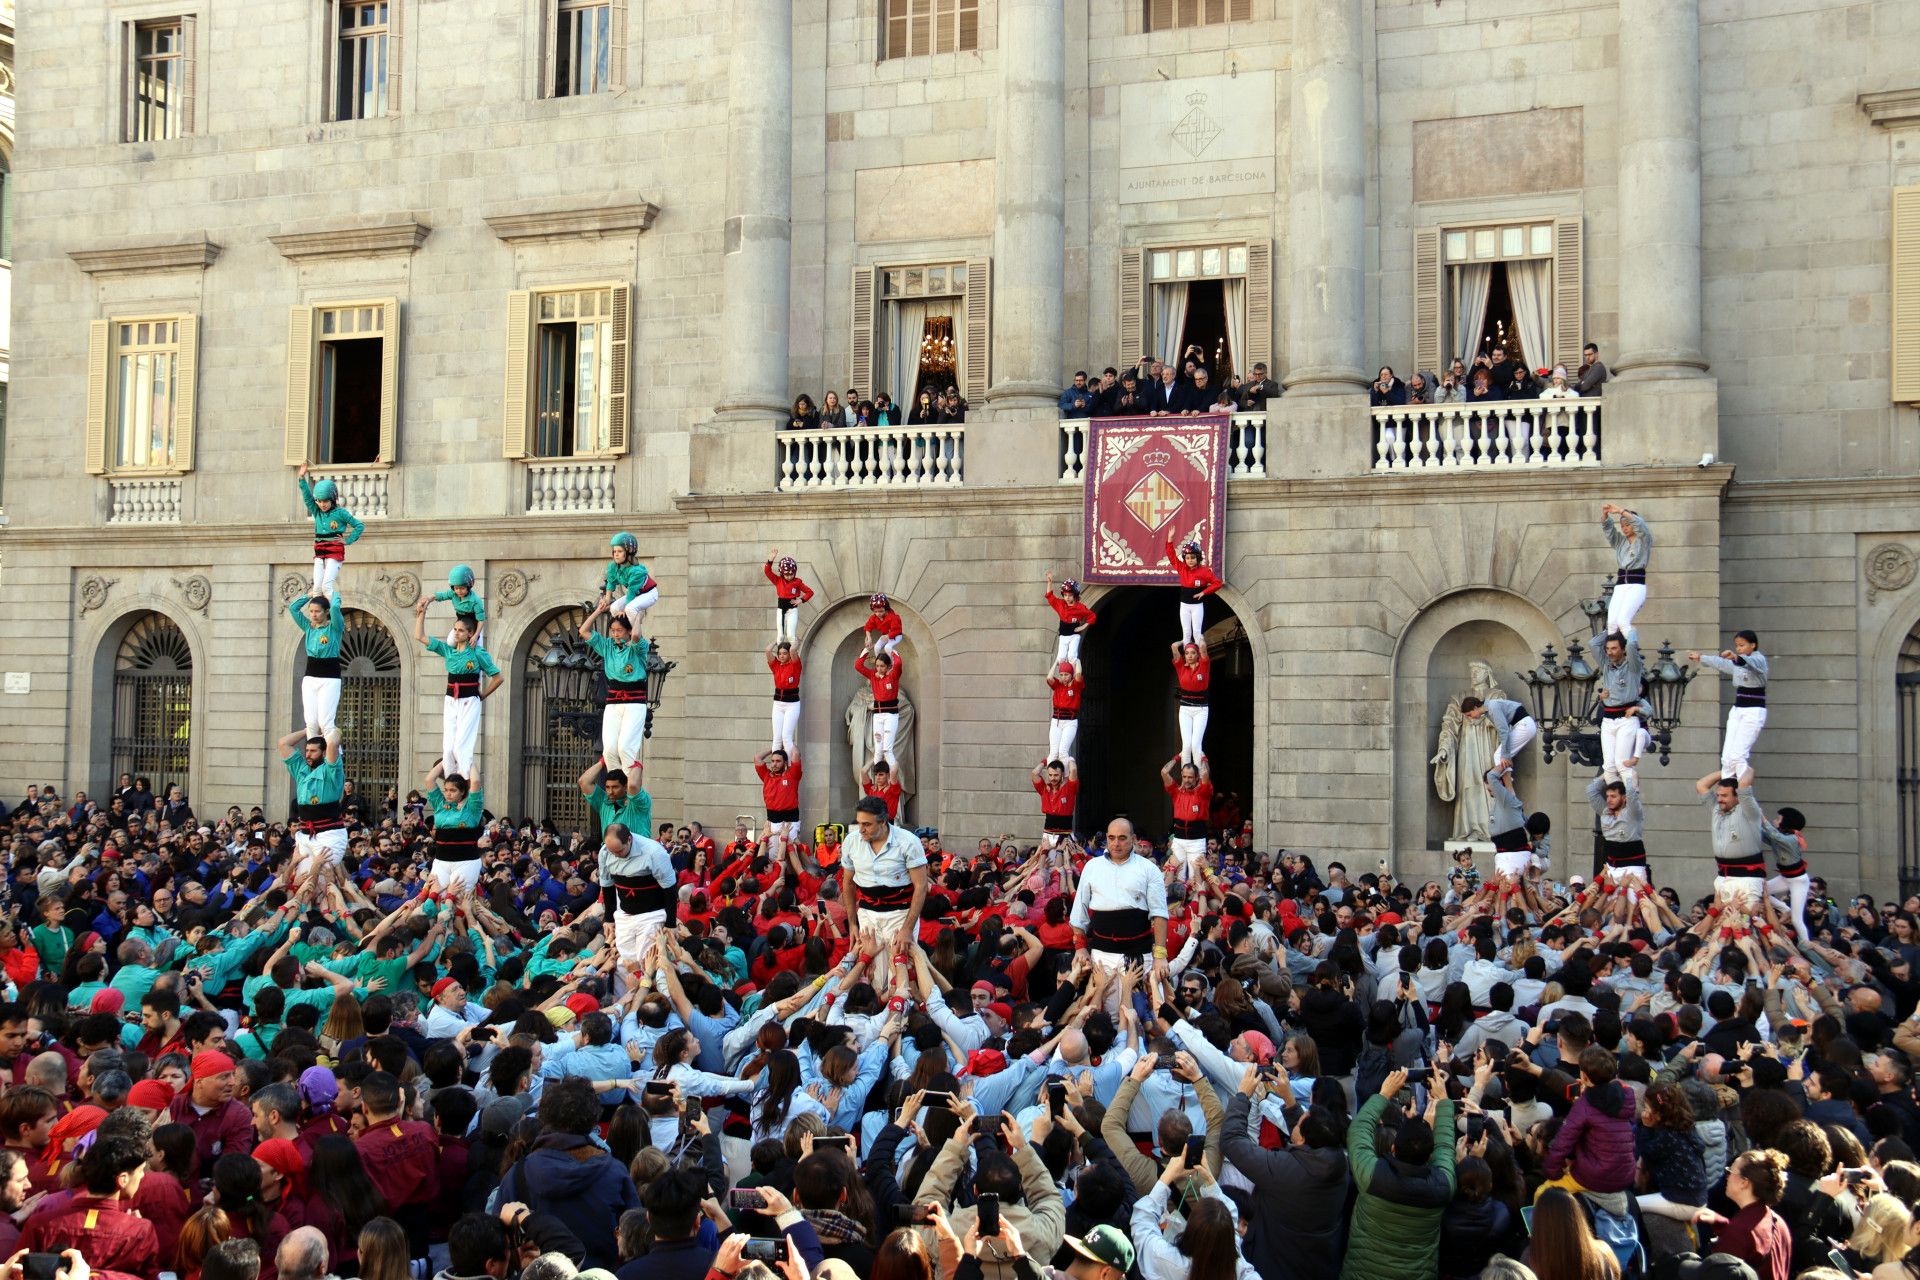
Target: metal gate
153,704
1907,777
559,723
369,715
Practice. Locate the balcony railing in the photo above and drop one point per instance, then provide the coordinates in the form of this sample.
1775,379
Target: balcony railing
134,501
1487,437
569,487
872,458
362,492
1246,447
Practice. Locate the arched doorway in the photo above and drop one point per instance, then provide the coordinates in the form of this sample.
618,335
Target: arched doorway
1128,723
369,715
153,703
560,700
1906,732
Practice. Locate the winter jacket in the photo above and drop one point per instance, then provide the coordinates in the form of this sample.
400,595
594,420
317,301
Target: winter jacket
1676,1163
1596,1142
1396,1215
1470,1234
1039,1216
581,1185
1337,1027
1296,1223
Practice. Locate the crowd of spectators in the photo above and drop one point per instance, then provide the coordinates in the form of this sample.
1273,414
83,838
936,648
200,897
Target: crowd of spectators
1494,376
208,1075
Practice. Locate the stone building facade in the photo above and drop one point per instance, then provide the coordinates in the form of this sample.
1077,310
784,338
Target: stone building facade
518,273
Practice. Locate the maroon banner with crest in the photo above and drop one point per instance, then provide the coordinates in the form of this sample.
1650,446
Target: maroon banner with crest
1151,480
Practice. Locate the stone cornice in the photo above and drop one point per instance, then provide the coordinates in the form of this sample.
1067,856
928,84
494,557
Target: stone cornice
178,255
1892,108
571,224
403,236
1862,491
404,540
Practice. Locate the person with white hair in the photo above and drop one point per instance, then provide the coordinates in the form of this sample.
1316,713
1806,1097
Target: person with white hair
302,1255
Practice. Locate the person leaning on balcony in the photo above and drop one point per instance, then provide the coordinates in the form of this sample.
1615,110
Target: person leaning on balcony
1077,400
1104,392
1448,390
1557,388
1388,389
885,412
926,410
1591,375
1254,396
1126,401
1196,397
1484,387
804,416
1419,389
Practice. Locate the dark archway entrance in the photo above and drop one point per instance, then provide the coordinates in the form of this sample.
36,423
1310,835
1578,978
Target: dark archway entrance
1128,727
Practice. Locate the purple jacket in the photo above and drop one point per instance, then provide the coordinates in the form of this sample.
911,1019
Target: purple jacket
1596,1142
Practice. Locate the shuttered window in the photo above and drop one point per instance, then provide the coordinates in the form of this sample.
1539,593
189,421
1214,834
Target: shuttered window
343,383
365,59
568,362
1171,15
1437,251
1906,295
916,27
1142,271
159,78
142,381
961,353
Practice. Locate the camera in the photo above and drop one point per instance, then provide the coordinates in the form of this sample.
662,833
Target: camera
746,1198
772,1252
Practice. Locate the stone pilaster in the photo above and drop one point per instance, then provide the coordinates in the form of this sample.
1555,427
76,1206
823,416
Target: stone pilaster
1326,201
1660,189
1029,221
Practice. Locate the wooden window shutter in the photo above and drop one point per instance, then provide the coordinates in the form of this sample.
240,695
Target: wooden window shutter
396,54
969,25
1259,306
129,80
617,403
1906,295
550,48
946,23
299,412
189,72
1133,270
1428,300
1569,313
515,407
894,34
1190,15
1240,11
1216,11
1159,15
860,335
920,27
186,387
389,379
979,342
617,45
99,351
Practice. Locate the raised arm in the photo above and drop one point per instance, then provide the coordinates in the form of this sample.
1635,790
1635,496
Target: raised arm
420,624
333,745
586,627
292,742
591,778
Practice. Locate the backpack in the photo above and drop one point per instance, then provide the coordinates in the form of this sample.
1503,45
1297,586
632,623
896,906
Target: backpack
1620,1234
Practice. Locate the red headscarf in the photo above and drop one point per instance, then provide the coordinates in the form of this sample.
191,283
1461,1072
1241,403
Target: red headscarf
283,1157
67,1131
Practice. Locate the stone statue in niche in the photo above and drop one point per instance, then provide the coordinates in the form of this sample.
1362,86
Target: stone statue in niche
1466,752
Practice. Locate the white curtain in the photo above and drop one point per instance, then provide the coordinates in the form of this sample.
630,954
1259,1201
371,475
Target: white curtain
1471,285
1234,294
903,350
1530,285
1169,319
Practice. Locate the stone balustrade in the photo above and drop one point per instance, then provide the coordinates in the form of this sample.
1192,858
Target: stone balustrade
1246,447
1488,436
872,457
569,487
362,492
135,500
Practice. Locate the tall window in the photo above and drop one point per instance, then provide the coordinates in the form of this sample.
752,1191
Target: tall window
916,27
924,325
153,703
1514,285
1217,297
364,59
581,56
1168,15
159,79
370,709
141,375
343,383
567,359
559,721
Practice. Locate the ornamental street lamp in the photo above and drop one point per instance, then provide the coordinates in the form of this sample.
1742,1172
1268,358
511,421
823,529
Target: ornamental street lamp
657,669
1566,702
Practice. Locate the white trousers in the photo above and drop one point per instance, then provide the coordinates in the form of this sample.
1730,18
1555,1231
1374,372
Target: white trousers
1191,613
633,935
459,735
1113,962
1796,889
885,725
780,835
320,699
786,727
1518,737
313,852
786,625
1622,605
1193,734
623,730
1512,862
883,927
886,645
637,607
1743,730
1186,852
325,573
1618,738
1623,875
456,877
1742,892
1067,650
1060,738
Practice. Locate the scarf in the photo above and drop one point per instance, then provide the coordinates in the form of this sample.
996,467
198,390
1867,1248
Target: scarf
834,1227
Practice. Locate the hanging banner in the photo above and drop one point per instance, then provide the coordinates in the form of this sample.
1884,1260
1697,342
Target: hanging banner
1150,481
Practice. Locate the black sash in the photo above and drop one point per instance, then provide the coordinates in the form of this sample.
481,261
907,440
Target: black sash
1193,699
1793,870
1624,853
1744,697
1127,931
638,895
784,815
626,691
329,549
463,686
320,668
886,706
1619,713
1189,829
1065,715
1058,824
1636,577
1513,841
1749,866
312,818
456,844
886,897
786,695
784,604
1067,628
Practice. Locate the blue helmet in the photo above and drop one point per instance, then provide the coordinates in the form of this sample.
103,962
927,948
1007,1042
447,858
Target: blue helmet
460,576
326,491
625,542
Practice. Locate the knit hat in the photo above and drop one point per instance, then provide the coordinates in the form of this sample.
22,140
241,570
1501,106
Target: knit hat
1261,1047
440,987
207,1064
582,1004
318,1088
153,1095
498,1117
1106,1245
107,1000
281,1155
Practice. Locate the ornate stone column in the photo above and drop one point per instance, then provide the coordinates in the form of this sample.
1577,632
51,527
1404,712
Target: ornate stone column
756,271
1326,202
1029,221
1659,127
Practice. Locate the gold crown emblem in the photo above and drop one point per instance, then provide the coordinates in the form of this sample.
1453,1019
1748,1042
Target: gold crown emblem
1158,458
